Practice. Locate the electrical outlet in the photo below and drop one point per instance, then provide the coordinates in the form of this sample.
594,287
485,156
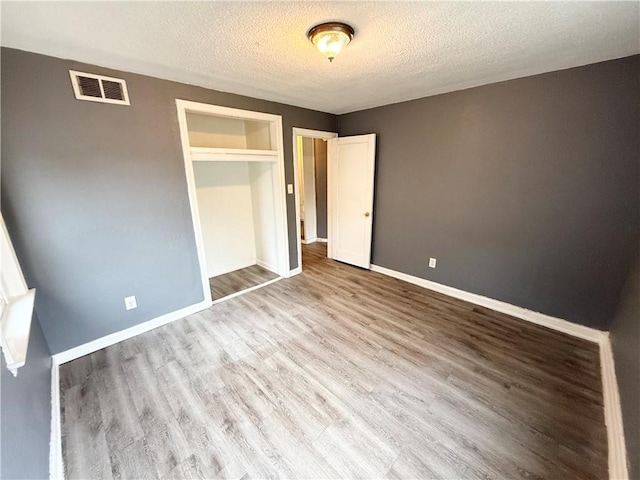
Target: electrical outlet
130,302
432,263
290,188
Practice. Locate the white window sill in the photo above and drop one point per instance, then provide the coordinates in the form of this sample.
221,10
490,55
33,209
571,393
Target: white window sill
16,326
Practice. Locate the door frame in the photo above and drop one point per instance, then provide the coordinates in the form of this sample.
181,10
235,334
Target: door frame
278,179
307,133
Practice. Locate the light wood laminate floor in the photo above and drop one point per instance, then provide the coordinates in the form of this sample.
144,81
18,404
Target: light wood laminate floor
238,280
337,373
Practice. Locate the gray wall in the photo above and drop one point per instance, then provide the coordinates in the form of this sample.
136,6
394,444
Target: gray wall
95,195
625,341
26,413
525,191
320,157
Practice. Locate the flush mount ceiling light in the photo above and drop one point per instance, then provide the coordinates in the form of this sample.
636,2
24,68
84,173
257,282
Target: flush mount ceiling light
331,38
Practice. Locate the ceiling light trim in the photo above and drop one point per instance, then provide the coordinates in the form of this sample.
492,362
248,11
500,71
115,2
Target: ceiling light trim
330,38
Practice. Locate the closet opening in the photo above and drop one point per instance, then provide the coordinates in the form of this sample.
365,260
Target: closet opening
235,172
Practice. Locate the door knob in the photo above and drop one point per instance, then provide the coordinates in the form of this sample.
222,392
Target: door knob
367,214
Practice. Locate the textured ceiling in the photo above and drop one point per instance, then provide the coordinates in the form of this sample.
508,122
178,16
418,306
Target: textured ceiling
401,51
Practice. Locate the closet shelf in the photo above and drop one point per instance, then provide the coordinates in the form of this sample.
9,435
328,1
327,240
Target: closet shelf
207,154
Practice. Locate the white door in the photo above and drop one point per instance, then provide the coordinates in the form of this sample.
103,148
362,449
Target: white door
351,167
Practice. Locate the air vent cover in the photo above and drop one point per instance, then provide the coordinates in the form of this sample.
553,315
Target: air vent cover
98,88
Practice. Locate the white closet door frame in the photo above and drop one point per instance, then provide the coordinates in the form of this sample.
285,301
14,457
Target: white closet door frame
185,106
303,132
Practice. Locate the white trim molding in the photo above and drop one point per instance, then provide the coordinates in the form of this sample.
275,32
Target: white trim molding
321,240
613,413
56,464
247,290
108,340
275,157
612,409
611,397
296,271
559,324
303,132
16,305
267,266
77,90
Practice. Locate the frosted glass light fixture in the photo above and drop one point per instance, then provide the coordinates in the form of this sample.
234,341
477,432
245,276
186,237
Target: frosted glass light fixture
331,38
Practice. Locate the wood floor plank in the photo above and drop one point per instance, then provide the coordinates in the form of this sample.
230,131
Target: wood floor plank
120,421
85,449
166,443
426,465
345,456
132,461
300,459
80,371
238,280
205,442
337,373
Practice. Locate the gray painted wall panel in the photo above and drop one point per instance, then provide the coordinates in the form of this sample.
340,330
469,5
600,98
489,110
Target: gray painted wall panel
95,195
625,341
26,413
525,191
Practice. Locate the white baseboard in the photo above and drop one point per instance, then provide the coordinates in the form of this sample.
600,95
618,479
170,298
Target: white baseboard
559,324
246,290
239,266
613,414
267,266
612,409
56,465
295,271
108,340
314,240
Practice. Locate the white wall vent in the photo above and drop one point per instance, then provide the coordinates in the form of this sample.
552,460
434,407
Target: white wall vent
98,88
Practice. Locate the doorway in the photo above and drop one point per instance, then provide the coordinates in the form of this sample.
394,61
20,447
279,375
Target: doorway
310,172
